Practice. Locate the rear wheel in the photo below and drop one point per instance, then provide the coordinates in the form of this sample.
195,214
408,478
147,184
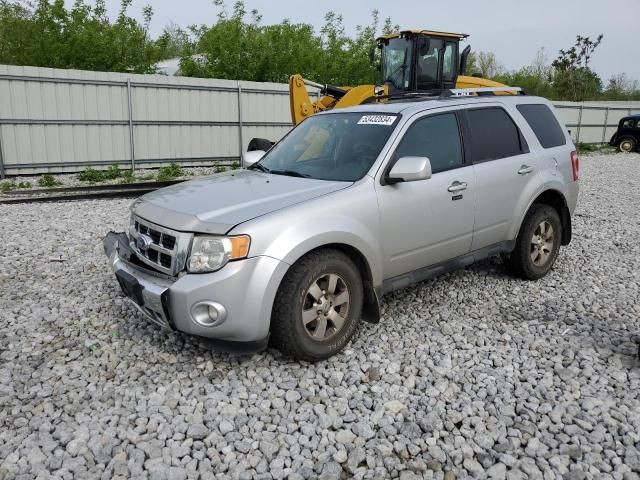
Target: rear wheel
627,145
538,243
318,306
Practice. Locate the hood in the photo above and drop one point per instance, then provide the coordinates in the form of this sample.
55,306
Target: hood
217,203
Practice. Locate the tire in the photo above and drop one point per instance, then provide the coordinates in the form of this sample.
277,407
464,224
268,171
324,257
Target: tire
530,260
301,298
627,145
259,144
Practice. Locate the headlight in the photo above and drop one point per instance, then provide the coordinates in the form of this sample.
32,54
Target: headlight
209,253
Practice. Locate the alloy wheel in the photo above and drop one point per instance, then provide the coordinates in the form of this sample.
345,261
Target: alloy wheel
542,244
326,306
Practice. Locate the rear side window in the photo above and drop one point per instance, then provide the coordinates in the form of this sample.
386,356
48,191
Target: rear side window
494,135
544,124
436,137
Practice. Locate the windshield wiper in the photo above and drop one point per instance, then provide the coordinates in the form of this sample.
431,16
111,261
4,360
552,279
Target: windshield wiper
262,168
289,173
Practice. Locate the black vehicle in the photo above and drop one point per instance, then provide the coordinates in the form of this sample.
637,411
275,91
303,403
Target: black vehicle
627,137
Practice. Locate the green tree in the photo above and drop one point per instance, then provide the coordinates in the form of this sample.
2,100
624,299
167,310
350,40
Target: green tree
238,47
620,87
573,79
48,34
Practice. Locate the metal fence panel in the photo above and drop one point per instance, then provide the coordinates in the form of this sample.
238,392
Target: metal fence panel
54,120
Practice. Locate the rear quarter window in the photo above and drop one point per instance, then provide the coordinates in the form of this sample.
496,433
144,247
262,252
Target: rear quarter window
544,124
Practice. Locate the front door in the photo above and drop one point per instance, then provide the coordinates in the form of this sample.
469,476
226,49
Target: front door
428,221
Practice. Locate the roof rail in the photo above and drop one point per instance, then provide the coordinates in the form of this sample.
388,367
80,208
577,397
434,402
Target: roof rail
476,92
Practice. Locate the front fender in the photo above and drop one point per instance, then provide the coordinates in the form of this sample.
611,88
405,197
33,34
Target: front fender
349,217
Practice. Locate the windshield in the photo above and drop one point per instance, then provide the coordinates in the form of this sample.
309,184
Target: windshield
335,146
396,61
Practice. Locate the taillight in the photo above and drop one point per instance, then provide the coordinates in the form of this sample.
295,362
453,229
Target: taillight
575,165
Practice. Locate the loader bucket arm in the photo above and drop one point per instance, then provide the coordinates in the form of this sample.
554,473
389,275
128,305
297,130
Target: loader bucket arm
330,97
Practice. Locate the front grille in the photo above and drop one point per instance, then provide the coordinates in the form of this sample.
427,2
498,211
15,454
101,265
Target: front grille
164,249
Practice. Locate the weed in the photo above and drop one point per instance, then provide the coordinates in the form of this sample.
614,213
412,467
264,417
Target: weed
6,187
112,172
48,181
92,175
127,176
235,166
170,172
220,168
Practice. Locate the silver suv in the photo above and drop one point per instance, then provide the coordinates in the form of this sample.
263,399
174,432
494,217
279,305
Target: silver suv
297,248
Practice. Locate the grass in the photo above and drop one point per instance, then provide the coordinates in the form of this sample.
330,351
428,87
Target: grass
48,181
169,173
602,148
235,166
220,168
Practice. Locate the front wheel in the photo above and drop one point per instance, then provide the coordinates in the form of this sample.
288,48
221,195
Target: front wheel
538,243
318,306
627,145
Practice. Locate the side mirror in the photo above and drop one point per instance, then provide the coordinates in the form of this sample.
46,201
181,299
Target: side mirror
252,157
410,169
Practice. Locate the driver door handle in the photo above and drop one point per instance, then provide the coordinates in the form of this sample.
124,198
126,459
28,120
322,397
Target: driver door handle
457,186
524,169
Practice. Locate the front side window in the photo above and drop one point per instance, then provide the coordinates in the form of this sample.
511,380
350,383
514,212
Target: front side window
436,137
628,123
334,146
494,134
448,61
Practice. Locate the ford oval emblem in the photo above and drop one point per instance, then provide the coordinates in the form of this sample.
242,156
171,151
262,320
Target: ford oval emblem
143,243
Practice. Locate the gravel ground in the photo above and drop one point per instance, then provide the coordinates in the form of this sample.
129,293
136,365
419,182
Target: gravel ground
472,375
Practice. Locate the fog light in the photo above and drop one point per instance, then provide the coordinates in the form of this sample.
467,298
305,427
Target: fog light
208,314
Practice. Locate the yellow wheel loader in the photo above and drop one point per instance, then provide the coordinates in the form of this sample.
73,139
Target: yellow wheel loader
412,62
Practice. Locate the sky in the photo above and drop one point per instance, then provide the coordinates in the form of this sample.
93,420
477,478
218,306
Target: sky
513,29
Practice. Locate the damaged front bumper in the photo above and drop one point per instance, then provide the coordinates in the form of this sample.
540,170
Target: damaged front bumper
246,290
148,292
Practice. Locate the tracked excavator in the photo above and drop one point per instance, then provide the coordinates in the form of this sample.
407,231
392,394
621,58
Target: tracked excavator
413,63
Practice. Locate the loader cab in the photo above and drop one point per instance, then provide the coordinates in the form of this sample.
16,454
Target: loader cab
421,60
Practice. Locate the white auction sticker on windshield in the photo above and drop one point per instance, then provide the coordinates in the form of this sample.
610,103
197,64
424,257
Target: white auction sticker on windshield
377,120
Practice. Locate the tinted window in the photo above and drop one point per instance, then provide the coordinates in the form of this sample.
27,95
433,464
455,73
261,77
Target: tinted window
494,135
436,137
544,124
629,123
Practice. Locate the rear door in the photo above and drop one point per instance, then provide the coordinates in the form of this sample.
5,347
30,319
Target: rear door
504,170
428,221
